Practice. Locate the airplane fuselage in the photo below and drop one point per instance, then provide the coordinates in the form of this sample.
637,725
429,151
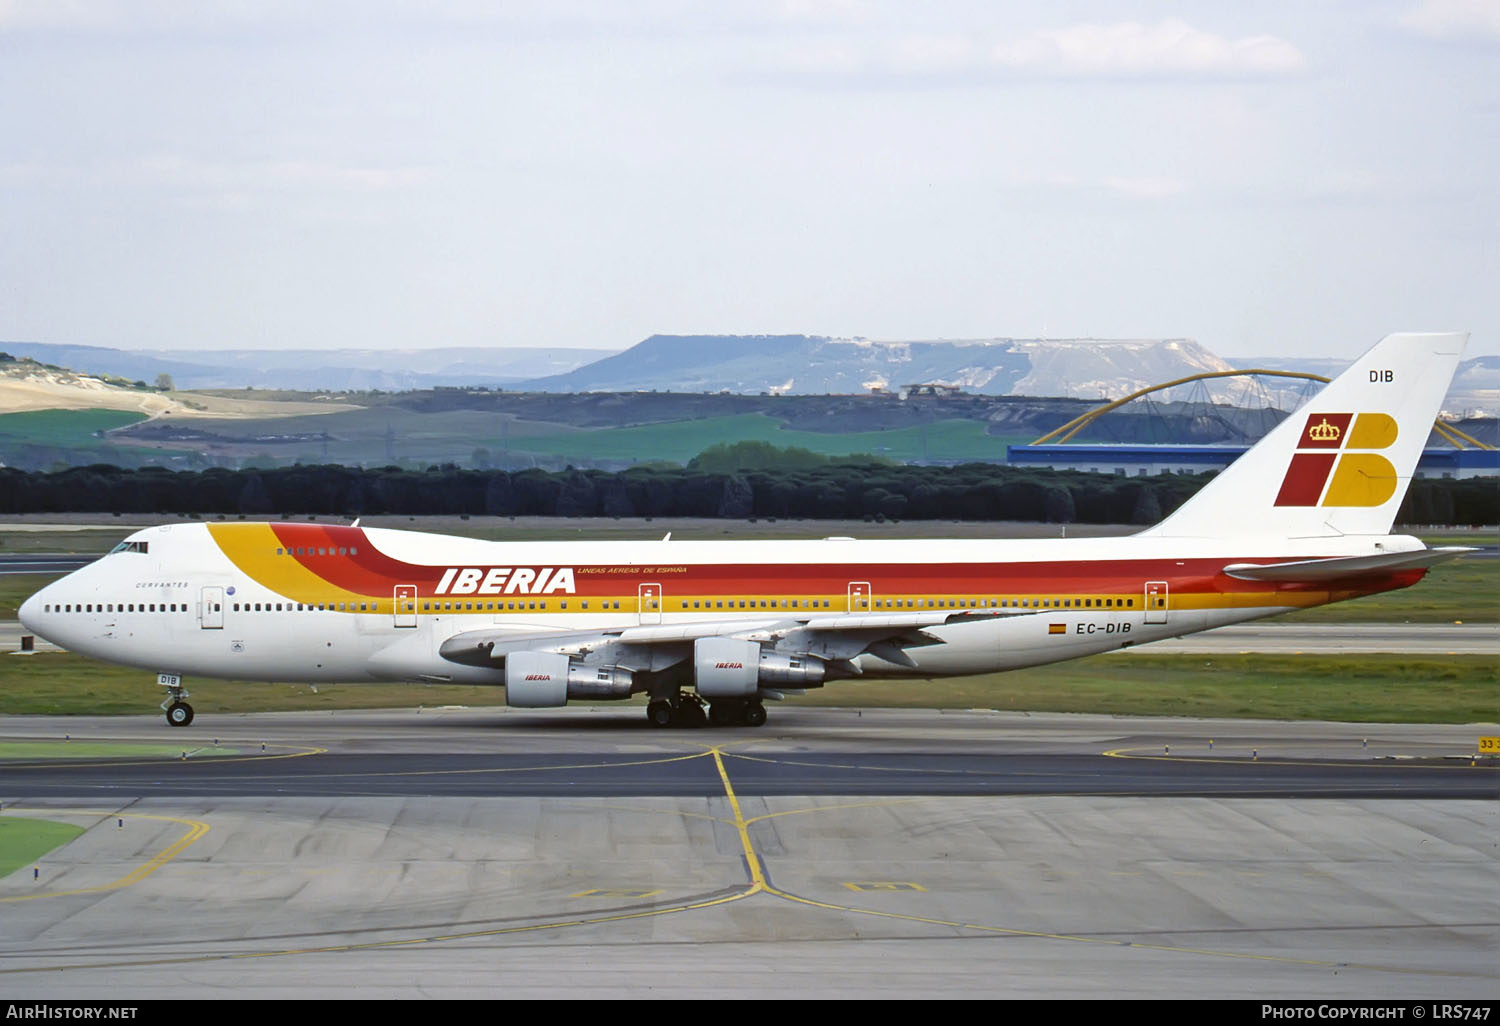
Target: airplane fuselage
315,603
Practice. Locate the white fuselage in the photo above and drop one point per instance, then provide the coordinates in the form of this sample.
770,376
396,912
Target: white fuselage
210,603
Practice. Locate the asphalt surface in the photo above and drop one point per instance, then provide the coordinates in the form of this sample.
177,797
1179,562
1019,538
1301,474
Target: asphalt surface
1235,769
831,854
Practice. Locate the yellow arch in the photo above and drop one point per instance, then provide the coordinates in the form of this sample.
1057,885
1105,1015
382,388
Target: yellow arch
1067,431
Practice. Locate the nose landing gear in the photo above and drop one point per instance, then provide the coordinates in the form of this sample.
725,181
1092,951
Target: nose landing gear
179,713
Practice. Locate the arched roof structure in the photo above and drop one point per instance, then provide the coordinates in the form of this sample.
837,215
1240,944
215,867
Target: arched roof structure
1459,439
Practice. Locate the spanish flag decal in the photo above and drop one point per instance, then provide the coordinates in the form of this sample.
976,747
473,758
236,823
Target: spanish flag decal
1057,628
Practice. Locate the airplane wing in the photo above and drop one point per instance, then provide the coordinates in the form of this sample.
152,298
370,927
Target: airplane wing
1315,570
837,637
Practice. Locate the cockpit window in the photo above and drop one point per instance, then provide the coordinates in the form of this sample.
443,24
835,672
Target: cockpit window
129,546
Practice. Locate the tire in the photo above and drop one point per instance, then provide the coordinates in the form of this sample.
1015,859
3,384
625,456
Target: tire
755,715
691,714
659,713
179,714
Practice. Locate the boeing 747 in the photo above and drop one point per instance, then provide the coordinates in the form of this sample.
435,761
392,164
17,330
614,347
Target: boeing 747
709,630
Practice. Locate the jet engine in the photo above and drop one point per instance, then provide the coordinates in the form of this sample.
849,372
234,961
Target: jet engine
545,680
732,668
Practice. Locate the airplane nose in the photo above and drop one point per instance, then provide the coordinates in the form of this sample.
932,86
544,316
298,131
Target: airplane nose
27,614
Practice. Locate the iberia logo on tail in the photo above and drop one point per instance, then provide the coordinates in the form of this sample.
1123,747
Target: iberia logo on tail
1327,455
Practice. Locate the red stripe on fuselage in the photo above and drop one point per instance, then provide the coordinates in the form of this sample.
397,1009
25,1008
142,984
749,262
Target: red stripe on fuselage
371,572
368,572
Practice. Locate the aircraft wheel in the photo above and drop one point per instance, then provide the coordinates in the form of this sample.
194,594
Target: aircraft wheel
722,714
755,714
659,713
691,714
179,714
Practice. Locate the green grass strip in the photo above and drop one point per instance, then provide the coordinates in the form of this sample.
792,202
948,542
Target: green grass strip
23,840
680,441
1353,688
1350,689
67,428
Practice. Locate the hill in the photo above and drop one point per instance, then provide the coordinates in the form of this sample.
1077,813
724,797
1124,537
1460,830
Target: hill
315,369
817,365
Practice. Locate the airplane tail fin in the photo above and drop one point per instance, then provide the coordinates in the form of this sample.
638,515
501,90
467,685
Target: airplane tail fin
1342,462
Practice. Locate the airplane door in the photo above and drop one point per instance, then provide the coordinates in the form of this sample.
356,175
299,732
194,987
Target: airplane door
648,603
211,609
1156,601
406,605
859,596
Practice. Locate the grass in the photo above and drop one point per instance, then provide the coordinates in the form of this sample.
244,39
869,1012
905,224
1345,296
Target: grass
1354,689
359,436
680,441
51,683
24,840
72,429
17,588
1454,689
1464,589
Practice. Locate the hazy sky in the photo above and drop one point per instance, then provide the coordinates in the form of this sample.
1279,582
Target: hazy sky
1293,178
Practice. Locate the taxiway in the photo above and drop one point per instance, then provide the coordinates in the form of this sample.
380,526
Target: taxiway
485,853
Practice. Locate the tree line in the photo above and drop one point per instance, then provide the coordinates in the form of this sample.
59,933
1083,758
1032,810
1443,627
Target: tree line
836,490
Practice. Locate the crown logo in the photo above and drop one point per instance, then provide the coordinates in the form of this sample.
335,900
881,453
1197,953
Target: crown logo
1324,432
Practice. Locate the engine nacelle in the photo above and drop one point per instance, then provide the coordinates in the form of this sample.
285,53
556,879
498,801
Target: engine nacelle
536,680
546,680
726,667
731,668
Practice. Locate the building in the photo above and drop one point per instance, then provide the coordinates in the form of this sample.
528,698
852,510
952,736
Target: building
1147,460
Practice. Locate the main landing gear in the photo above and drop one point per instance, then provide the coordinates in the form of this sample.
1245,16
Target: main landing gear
687,710
179,713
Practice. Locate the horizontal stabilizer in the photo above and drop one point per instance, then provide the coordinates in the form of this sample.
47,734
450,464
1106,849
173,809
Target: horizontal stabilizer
1314,570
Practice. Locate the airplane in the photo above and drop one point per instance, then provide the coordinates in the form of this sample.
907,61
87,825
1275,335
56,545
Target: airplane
710,630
